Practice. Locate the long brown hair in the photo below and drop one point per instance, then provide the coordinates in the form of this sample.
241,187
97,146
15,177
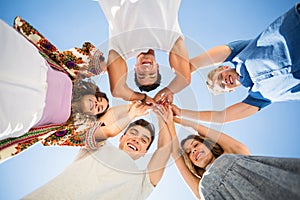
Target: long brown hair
81,88
214,147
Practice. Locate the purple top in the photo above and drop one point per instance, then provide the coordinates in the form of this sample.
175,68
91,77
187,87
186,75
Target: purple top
57,108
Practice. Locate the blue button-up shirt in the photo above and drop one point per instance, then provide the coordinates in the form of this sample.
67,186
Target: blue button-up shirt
270,64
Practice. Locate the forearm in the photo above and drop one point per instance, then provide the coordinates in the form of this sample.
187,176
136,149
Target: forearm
178,83
191,180
179,61
127,94
203,130
176,150
213,56
207,116
229,144
114,113
157,167
161,156
114,128
117,73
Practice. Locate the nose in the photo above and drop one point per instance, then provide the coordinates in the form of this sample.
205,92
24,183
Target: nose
136,140
193,151
96,104
147,67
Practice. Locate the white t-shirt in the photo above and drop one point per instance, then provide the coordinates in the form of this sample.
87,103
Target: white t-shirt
107,173
23,83
138,25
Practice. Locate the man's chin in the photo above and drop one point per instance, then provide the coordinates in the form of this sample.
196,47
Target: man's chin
134,155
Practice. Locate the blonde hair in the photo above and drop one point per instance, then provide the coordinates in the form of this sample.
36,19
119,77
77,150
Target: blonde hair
209,81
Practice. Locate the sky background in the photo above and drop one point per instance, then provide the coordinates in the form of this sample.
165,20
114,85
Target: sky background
274,131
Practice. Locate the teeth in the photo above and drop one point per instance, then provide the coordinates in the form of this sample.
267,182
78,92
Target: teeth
199,155
231,80
132,147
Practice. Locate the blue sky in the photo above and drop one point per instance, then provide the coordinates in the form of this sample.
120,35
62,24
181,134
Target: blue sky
274,131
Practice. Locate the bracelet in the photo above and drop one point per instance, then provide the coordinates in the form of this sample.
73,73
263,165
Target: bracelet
144,99
90,142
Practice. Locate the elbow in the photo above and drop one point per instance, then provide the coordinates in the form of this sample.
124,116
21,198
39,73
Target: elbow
117,93
242,149
245,150
120,92
188,80
114,93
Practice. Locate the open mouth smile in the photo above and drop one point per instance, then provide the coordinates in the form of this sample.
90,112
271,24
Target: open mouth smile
199,154
230,78
131,146
147,63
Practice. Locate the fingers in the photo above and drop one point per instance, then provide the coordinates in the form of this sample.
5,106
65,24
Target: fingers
160,110
176,111
165,99
149,101
164,112
141,108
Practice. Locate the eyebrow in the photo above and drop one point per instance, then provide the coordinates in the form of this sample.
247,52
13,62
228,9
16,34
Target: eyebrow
146,137
135,130
141,76
143,135
191,144
101,106
151,76
99,99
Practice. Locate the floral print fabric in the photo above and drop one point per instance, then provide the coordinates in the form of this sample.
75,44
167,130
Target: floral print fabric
77,62
86,61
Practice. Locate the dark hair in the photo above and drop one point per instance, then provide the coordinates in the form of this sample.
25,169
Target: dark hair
148,88
82,88
214,147
102,95
145,124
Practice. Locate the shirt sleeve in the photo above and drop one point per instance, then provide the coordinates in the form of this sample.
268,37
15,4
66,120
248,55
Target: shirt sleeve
147,187
257,102
236,47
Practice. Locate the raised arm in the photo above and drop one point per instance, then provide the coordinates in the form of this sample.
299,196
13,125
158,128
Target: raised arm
232,113
229,144
114,113
213,56
162,154
119,119
179,62
191,180
117,73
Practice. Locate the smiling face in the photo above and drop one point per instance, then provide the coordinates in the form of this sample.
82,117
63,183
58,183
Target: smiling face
146,68
226,79
91,105
198,153
135,141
